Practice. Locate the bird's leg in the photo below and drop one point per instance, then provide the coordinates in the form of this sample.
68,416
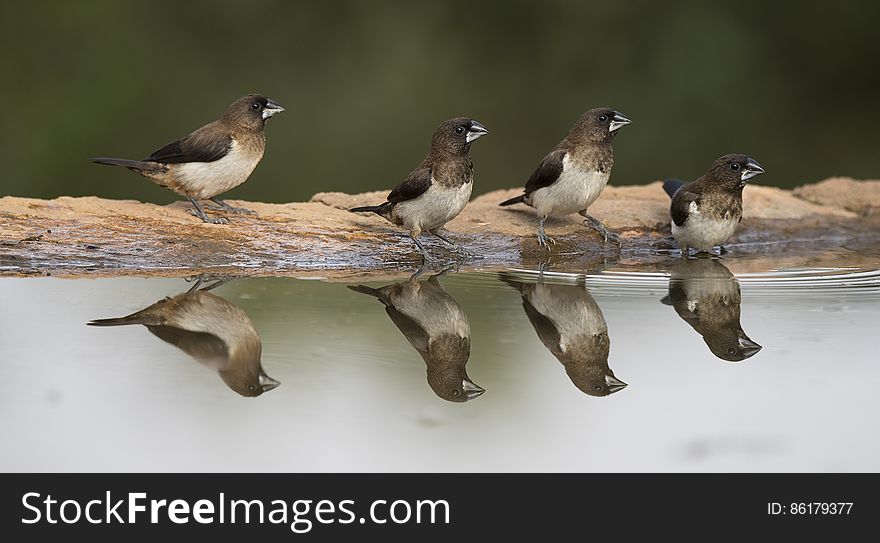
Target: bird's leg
542,267
226,207
204,278
543,239
597,225
426,257
451,244
200,213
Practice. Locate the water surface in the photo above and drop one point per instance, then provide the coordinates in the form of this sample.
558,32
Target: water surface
682,367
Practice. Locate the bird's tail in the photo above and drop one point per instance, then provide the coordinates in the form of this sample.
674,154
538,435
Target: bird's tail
139,165
518,200
671,186
141,317
382,209
374,209
374,292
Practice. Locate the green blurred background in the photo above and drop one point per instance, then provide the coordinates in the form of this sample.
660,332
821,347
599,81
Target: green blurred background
794,84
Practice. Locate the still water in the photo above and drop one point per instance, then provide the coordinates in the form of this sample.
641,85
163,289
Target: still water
682,368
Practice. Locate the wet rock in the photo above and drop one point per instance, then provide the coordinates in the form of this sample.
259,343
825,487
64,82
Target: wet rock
93,236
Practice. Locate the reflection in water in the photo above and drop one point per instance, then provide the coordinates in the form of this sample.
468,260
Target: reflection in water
213,331
706,295
434,323
571,325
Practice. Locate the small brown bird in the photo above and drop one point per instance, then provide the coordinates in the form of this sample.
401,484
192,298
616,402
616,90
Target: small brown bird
573,175
706,212
438,189
213,331
707,296
433,323
571,325
212,160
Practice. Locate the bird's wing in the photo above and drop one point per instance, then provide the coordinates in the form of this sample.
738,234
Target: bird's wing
412,330
547,331
547,171
207,144
681,205
415,184
203,346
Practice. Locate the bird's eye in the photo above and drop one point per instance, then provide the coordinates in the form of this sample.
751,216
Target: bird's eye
731,351
734,166
455,392
598,388
255,106
252,387
459,130
603,118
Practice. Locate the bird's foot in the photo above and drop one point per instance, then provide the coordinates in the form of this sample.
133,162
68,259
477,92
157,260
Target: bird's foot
607,235
223,206
207,219
544,240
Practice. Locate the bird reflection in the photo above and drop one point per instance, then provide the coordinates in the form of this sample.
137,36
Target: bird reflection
210,329
706,295
571,325
434,323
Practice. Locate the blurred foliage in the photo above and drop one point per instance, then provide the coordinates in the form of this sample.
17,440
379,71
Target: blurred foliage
794,84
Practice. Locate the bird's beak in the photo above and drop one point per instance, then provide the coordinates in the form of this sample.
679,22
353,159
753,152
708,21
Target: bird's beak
618,121
749,347
752,169
475,130
267,383
272,107
471,390
614,384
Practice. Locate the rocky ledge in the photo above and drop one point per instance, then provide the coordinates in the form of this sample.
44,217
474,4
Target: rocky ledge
91,236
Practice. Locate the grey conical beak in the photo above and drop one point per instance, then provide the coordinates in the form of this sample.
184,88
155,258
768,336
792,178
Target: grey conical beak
614,384
272,108
749,347
475,131
267,383
752,169
471,389
618,121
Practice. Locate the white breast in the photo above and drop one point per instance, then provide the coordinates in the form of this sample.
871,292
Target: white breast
435,311
435,207
572,310
574,191
207,179
702,232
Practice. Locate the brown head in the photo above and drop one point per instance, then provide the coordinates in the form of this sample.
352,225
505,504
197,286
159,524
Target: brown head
251,112
597,126
454,137
733,171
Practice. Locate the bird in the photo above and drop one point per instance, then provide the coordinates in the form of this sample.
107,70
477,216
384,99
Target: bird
437,327
571,177
707,296
706,212
212,331
211,160
571,326
437,190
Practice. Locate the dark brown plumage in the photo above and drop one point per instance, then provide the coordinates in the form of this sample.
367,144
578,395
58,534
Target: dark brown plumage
572,176
571,326
437,190
437,327
213,159
705,213
707,296
211,330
